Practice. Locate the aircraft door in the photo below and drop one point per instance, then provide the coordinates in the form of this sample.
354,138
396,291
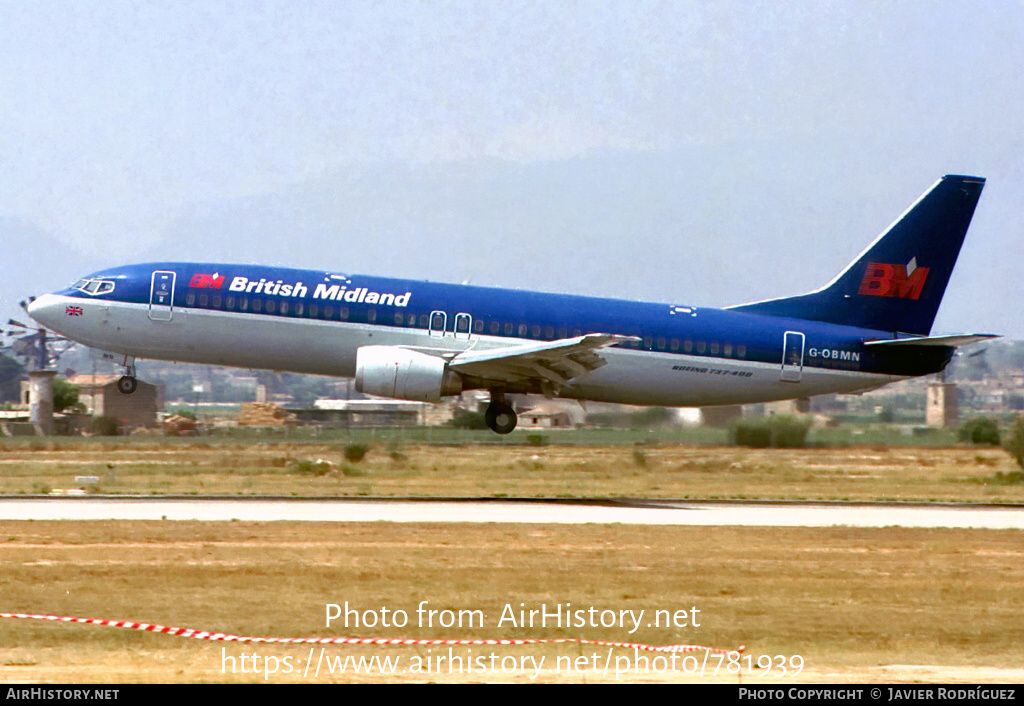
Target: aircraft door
463,326
161,295
792,356
438,323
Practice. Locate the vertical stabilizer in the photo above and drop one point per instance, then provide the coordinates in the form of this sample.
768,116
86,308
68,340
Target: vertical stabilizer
898,282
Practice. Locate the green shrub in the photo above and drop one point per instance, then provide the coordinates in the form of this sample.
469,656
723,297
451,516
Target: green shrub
106,426
465,419
536,439
980,430
354,453
652,417
64,394
395,452
778,432
1014,443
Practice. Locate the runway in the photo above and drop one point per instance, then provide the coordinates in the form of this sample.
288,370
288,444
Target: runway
655,512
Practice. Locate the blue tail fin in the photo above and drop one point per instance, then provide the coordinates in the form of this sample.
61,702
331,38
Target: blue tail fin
898,282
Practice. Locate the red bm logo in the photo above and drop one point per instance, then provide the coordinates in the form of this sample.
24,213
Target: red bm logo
206,281
884,280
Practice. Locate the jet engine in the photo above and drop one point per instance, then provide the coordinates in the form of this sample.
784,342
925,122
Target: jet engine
390,371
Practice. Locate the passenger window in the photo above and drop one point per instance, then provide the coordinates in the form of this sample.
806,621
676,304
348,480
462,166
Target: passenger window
549,332
687,345
661,344
576,333
535,331
714,348
741,351
343,313
204,299
271,306
190,298
371,315
648,341
727,350
243,304
508,329
674,344
522,329
216,301
701,346
284,307
478,326
399,319
563,333
257,305
423,320
229,302
495,327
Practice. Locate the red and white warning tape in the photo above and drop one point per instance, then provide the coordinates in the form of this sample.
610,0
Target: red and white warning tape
224,637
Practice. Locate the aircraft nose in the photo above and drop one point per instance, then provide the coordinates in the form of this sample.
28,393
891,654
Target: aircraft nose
45,309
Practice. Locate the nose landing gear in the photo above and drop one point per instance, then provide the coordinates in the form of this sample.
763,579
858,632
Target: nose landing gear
128,384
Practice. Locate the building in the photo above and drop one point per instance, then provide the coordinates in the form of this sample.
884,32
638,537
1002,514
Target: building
375,412
99,395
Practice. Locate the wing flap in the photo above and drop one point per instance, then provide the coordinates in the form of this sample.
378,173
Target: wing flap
550,363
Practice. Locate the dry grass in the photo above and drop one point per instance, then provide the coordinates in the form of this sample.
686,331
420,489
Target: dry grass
859,473
846,600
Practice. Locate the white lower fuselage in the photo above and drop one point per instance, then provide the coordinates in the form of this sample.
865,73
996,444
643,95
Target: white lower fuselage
247,340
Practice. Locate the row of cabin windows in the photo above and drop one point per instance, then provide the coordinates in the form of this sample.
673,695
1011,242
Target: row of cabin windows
271,306
687,345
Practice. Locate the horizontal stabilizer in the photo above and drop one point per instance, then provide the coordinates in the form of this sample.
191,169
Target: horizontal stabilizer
952,341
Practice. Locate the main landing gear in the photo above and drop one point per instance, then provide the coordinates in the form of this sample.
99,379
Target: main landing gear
128,384
500,417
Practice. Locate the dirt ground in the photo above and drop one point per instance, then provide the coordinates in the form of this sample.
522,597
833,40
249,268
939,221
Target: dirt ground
863,473
856,606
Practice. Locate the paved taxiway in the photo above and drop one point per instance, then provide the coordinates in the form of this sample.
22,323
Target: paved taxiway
626,512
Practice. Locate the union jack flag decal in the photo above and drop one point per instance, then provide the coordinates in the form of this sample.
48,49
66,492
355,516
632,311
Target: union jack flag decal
73,311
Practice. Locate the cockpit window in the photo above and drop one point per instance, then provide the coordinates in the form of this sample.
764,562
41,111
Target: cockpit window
94,286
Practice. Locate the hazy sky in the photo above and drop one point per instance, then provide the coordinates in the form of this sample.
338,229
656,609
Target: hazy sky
705,153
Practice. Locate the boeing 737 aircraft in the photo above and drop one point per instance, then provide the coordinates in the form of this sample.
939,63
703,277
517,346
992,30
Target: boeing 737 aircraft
423,340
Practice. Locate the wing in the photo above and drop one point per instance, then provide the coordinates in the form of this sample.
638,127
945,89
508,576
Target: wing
548,365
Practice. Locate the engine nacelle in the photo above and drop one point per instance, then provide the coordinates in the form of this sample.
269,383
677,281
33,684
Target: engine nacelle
390,371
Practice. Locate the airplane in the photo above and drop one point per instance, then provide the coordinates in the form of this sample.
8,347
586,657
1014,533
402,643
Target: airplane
417,340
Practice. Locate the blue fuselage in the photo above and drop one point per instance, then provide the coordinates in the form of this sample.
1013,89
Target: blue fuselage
312,321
